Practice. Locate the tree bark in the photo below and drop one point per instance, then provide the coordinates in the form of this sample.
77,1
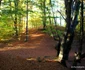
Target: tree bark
27,23
69,34
15,21
44,12
0,2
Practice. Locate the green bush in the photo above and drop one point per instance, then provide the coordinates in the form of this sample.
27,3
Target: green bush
6,29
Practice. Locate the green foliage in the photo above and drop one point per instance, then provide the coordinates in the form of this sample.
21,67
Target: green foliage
39,13
34,20
52,31
6,28
59,32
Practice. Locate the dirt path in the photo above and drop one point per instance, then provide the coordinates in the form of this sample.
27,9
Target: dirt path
39,45
20,55
36,54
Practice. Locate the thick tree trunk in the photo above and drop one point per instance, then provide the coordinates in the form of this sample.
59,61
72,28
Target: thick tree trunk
67,46
68,38
69,34
64,47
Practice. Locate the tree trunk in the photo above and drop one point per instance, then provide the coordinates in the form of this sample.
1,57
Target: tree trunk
15,20
44,12
79,54
27,24
68,37
53,13
69,34
0,2
15,25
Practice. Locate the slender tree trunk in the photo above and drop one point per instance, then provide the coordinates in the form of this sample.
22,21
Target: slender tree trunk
15,25
49,17
79,54
81,28
60,20
0,2
44,12
53,12
27,23
15,20
11,10
0,7
20,24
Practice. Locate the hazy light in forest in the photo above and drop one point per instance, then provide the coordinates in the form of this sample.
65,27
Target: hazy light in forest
17,48
37,35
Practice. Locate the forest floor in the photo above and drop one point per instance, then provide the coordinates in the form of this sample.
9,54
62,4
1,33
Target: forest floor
37,54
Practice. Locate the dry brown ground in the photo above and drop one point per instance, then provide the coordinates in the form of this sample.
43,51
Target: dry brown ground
36,54
11,63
